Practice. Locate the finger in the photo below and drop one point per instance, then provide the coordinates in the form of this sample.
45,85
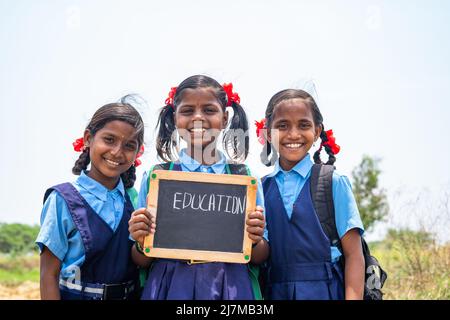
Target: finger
254,238
256,215
255,231
140,234
142,218
138,212
255,222
141,226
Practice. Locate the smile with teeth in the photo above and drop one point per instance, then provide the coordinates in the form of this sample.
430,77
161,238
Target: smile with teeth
197,130
113,163
293,145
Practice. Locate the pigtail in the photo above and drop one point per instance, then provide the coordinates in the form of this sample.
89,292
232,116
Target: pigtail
328,150
82,162
129,177
164,141
235,138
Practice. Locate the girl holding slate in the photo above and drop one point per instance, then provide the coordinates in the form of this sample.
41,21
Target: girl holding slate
84,239
196,110
303,260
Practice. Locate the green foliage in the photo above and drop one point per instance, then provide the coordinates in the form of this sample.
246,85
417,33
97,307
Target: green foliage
417,266
370,198
16,238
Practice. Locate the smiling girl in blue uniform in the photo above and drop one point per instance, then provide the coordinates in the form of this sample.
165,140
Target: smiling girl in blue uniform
84,239
196,109
303,263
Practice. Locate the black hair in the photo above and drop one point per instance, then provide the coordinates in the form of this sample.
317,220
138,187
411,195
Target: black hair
122,111
232,144
289,94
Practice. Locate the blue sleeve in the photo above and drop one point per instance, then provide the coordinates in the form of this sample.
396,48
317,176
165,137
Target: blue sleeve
143,191
56,225
346,211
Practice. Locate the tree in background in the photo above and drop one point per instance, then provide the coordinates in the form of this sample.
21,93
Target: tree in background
370,198
17,238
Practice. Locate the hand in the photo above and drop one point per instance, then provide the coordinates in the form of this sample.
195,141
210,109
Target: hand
142,223
255,225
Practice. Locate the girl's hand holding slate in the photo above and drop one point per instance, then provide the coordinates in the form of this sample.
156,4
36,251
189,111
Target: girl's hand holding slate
255,228
255,225
142,223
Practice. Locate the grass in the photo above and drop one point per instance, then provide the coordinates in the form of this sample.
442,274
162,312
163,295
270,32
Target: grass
15,270
417,268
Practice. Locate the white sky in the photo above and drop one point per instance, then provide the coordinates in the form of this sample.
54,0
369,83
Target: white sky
381,70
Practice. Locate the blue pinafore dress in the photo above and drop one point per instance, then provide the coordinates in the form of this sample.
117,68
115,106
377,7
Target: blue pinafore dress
300,266
171,279
108,271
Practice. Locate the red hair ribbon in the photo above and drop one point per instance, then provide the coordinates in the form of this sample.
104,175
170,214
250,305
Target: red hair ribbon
331,142
260,126
232,96
78,146
138,162
169,100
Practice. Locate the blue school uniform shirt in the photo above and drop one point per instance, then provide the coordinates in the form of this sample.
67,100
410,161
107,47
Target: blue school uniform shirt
291,182
58,231
189,164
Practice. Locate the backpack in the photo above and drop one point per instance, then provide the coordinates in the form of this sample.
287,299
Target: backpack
322,197
231,168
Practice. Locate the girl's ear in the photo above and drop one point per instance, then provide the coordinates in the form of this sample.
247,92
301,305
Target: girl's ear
225,119
87,137
318,132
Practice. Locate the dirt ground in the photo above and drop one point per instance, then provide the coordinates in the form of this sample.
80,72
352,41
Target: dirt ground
26,291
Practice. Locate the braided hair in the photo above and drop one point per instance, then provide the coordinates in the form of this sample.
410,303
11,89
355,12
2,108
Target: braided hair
269,155
122,111
235,147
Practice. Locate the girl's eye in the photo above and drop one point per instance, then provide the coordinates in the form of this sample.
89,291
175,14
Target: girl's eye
282,126
131,146
186,111
108,140
210,110
305,125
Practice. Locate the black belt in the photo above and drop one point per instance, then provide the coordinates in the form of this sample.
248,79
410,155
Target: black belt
120,291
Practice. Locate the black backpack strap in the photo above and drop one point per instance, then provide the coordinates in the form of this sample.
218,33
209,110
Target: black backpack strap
238,168
322,197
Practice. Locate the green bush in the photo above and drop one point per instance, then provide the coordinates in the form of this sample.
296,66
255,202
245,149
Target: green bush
417,266
17,238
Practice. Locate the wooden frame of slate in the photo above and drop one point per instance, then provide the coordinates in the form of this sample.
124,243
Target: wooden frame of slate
200,216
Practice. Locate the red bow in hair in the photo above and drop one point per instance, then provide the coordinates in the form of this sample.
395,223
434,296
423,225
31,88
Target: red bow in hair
78,145
138,162
331,142
260,126
232,96
169,100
